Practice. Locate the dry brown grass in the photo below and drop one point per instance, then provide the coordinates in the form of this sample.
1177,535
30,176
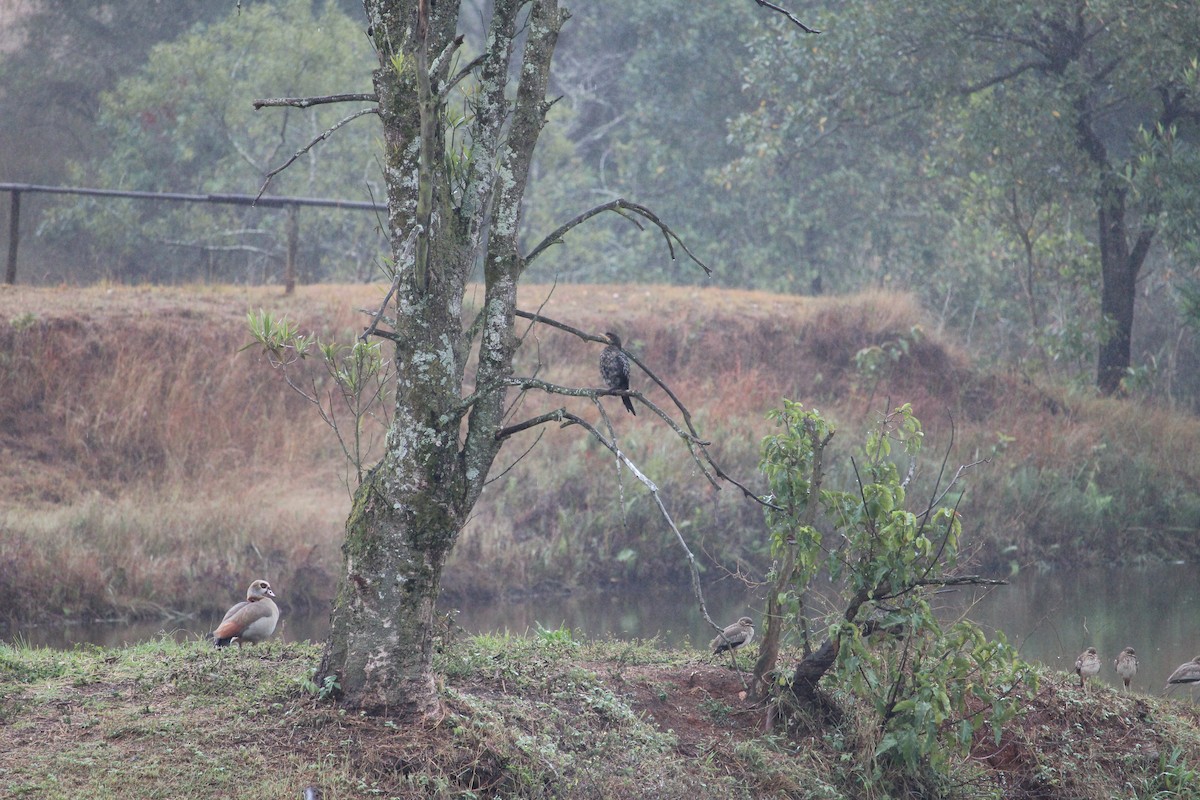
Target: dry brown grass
1073,744
146,463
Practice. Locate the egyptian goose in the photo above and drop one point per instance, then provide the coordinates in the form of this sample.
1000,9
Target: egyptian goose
1126,665
252,620
1087,665
736,635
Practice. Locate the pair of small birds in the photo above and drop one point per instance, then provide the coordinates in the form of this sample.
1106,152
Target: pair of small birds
1088,666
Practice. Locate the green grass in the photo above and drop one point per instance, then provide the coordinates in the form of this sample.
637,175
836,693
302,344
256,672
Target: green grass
526,717
160,719
539,716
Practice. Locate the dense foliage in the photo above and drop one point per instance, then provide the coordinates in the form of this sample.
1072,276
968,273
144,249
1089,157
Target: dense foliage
1039,156
177,126
1022,168
925,682
56,59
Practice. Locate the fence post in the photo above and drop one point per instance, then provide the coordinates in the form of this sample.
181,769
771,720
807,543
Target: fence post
14,225
293,244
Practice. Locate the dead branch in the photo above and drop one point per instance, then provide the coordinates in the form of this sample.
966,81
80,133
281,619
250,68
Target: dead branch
462,73
308,102
791,18
619,206
270,175
557,415
570,391
516,460
516,403
689,439
441,63
562,326
692,436
961,580
567,418
378,316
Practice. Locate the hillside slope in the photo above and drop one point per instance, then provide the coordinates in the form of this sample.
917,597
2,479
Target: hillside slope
147,457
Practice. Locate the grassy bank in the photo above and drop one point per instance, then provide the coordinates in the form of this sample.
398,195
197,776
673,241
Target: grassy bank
545,717
148,466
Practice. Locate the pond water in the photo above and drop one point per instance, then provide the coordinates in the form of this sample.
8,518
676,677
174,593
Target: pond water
1050,616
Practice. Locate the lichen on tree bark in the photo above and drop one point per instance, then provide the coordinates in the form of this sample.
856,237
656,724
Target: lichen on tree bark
410,508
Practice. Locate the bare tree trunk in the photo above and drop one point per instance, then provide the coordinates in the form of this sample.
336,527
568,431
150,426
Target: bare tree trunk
409,510
1119,268
1119,263
380,642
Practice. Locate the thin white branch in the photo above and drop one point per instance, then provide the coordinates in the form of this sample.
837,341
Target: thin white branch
270,175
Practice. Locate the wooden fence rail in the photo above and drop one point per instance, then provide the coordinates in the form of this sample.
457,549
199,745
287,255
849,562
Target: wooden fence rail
292,204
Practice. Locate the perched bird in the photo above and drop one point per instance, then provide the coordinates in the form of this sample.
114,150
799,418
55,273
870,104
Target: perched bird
614,368
735,636
1185,673
1087,665
252,620
1126,665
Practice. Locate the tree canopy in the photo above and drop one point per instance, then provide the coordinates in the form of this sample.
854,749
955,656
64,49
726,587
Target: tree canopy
1016,165
63,55
185,123
1042,146
1030,171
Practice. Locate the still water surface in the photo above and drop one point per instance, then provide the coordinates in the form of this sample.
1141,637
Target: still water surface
1051,617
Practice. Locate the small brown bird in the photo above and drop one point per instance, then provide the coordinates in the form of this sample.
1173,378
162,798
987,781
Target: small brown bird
252,620
1126,665
1087,665
1188,673
736,636
614,368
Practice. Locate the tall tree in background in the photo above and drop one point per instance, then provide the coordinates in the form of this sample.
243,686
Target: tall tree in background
1094,103
1113,87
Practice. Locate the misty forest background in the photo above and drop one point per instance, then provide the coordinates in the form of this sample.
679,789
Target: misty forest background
823,164
942,230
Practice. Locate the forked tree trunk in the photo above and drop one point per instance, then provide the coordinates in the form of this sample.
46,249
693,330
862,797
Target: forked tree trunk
448,211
